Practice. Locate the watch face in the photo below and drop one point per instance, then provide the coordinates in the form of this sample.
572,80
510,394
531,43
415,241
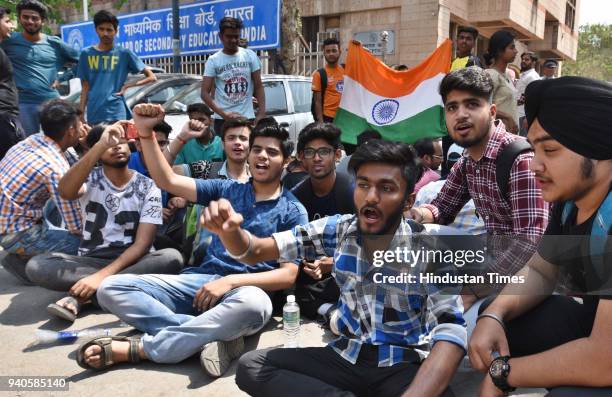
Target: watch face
496,368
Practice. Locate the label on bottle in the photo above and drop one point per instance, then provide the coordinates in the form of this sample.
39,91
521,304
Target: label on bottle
68,336
291,317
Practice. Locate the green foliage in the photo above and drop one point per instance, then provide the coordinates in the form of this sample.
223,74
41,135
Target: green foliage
55,8
594,57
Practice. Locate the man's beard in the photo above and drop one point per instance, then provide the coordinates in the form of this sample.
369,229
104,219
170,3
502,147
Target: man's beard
390,225
118,164
33,31
586,168
466,143
525,68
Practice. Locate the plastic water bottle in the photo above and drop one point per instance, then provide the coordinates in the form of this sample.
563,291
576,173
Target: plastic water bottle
44,336
291,322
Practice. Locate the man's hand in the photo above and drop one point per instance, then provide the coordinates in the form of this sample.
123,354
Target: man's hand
210,293
87,286
112,135
227,116
146,116
488,388
219,217
319,267
167,213
414,213
83,131
488,337
192,129
177,202
122,91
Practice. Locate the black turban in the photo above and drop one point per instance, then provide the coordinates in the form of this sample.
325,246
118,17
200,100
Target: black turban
576,111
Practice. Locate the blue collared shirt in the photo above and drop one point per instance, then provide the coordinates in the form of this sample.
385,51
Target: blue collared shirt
261,218
403,320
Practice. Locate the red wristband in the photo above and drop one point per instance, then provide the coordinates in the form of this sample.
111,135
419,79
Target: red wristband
152,136
184,142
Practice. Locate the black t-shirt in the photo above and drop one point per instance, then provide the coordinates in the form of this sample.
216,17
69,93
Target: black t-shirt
8,91
338,201
293,179
569,247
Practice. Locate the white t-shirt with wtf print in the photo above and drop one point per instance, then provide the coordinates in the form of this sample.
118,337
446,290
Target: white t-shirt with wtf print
111,214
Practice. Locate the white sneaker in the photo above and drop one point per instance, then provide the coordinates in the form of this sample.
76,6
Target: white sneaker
216,357
332,322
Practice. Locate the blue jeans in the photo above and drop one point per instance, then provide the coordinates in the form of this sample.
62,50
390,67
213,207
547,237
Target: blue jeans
28,115
39,239
160,305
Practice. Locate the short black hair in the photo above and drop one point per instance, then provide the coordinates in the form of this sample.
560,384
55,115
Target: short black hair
393,153
235,123
4,11
104,16
32,5
93,136
532,55
266,120
472,79
401,67
367,135
272,131
425,146
326,131
163,127
199,108
468,29
330,41
230,23
57,116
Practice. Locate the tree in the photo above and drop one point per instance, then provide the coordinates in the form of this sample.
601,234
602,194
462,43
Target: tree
594,57
290,26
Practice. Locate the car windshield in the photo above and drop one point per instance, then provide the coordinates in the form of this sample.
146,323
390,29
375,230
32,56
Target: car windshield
179,103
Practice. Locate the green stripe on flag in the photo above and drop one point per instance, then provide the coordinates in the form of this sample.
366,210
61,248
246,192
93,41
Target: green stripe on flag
429,123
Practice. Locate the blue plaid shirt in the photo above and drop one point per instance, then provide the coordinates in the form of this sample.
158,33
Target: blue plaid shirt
402,320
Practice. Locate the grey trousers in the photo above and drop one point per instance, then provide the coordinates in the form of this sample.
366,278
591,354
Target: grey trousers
60,272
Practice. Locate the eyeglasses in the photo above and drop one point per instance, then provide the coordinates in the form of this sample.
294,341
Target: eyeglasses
322,152
163,143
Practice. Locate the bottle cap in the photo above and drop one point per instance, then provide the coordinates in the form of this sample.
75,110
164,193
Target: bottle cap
290,298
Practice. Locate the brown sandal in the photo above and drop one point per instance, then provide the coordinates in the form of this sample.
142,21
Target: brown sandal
105,342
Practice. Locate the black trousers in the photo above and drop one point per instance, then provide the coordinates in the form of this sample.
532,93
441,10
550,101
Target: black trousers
320,371
10,132
556,321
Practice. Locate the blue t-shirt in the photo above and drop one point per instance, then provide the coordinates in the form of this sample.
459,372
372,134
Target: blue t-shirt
35,65
106,72
138,165
261,218
233,82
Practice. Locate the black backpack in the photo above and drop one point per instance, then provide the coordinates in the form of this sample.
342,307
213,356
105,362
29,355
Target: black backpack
323,75
504,161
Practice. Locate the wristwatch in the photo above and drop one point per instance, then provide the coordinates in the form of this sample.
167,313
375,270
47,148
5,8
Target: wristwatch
499,371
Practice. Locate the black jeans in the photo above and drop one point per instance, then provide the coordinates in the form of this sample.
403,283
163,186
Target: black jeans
555,321
10,132
320,371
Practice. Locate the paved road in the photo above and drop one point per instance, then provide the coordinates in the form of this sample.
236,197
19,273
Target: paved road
22,312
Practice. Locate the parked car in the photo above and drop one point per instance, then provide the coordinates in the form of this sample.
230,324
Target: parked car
159,92
288,99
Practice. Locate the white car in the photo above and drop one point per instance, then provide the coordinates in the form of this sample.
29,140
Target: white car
288,99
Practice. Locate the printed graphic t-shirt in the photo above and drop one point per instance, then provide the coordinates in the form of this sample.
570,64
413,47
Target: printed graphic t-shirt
333,91
111,214
106,72
233,83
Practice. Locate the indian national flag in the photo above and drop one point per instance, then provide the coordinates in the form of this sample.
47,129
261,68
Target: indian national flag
402,106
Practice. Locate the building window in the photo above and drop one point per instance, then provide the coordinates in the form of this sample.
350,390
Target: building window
570,14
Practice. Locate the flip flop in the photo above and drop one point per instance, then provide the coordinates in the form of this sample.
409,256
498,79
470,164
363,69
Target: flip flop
105,342
62,311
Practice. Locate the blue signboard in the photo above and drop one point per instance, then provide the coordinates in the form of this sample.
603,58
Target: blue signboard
149,33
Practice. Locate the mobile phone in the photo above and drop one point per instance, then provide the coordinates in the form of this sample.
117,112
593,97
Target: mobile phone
130,131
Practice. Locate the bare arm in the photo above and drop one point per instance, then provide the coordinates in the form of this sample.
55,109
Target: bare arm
272,280
259,92
71,185
149,78
318,100
207,85
84,97
219,217
437,370
146,116
87,286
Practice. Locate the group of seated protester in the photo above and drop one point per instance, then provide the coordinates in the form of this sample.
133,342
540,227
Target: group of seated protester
195,241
